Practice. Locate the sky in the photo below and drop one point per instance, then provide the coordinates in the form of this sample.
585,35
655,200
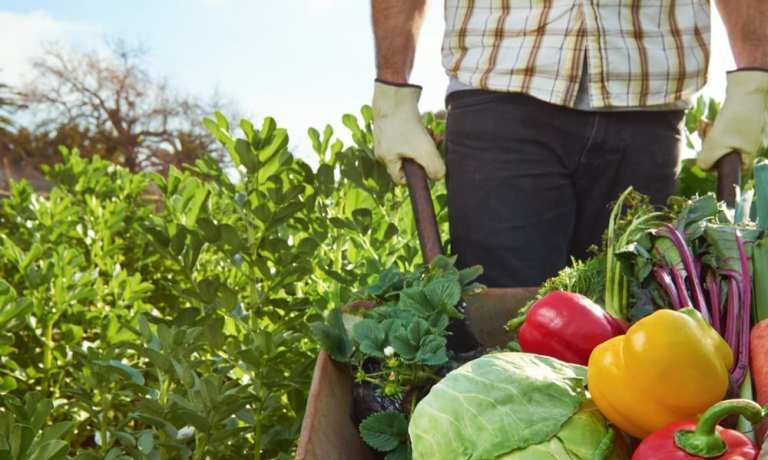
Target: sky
303,62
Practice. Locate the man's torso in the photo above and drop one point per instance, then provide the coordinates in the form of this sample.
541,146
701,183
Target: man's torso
637,53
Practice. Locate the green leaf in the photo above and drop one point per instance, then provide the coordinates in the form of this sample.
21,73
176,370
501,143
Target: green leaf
209,229
469,274
6,338
367,112
443,263
247,128
221,120
722,239
178,240
415,299
13,310
214,331
530,396
7,384
402,452
761,190
42,410
438,323
268,126
56,431
432,351
417,330
50,450
443,292
342,224
116,453
636,256
134,375
146,442
246,155
384,431
693,181
371,336
327,134
325,179
390,232
363,219
332,336
230,236
402,344
314,136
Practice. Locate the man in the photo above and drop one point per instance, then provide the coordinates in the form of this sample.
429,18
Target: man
557,106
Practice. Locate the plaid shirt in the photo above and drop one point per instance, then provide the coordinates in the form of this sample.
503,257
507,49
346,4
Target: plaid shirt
639,52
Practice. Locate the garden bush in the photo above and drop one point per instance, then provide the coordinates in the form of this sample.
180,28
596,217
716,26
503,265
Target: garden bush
175,325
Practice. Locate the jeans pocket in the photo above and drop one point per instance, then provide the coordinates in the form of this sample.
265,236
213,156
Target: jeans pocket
470,98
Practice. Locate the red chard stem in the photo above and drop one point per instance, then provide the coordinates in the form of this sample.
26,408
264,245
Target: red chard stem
713,289
664,278
742,356
700,304
732,314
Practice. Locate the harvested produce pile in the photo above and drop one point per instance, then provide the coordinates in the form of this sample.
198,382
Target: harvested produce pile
667,356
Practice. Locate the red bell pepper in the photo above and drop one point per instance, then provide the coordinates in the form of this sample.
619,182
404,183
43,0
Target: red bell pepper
688,440
567,326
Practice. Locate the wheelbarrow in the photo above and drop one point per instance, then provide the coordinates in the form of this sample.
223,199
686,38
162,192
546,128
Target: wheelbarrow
328,431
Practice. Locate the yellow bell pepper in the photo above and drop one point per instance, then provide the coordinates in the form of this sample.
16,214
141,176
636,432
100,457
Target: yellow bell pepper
669,366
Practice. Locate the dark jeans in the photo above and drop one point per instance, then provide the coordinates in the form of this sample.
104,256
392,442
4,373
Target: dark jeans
530,184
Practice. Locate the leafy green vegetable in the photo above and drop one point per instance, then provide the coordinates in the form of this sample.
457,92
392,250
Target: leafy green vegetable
412,322
399,345
632,216
333,335
385,431
510,405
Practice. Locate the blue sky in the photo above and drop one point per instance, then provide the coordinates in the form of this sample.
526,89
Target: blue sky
305,62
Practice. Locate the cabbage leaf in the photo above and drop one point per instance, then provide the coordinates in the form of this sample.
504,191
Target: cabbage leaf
513,406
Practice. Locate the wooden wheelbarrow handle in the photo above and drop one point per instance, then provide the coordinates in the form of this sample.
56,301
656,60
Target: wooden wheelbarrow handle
423,211
461,338
728,176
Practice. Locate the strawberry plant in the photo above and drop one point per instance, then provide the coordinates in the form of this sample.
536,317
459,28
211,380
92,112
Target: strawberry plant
397,348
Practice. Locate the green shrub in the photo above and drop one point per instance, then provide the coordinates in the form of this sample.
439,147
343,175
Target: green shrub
178,327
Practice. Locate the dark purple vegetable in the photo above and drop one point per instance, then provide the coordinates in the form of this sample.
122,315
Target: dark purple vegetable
741,366
664,278
713,289
677,239
732,314
677,277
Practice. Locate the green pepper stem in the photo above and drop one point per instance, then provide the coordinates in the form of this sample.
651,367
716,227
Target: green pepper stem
705,442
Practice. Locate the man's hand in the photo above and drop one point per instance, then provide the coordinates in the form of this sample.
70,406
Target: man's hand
397,128
398,131
740,123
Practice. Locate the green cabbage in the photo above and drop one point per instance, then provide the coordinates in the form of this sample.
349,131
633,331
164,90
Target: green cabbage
512,406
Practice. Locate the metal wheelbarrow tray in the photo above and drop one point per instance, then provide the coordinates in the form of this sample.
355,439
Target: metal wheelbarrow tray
327,431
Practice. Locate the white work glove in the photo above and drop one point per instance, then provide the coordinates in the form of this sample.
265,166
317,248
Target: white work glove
398,131
740,123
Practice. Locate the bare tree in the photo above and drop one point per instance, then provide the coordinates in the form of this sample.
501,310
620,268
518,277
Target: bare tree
137,119
10,102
